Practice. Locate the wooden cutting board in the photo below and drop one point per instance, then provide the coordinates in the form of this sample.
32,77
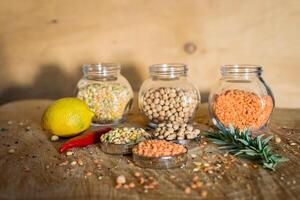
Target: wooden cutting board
35,170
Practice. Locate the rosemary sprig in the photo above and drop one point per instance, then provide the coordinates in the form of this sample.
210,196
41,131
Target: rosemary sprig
242,144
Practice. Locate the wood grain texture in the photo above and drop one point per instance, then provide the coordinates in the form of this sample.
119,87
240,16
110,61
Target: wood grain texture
43,44
33,171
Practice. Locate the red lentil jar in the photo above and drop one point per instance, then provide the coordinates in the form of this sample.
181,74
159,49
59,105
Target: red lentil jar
242,98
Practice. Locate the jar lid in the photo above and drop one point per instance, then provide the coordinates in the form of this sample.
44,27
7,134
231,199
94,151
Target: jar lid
101,68
241,69
168,69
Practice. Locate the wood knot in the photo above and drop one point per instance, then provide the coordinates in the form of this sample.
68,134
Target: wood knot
54,21
190,48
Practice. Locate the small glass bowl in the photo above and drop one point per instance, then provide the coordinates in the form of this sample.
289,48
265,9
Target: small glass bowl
189,144
163,162
117,149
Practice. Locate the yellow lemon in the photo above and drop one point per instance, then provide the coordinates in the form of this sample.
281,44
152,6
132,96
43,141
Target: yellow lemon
67,117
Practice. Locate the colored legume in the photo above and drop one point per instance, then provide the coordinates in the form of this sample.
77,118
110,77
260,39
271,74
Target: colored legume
158,148
124,135
109,101
242,109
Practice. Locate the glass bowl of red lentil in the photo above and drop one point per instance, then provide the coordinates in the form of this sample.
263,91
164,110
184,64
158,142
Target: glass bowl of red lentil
242,98
117,149
107,93
188,143
163,162
151,158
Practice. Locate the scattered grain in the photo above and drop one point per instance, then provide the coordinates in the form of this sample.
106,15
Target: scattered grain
187,190
11,151
54,138
121,179
69,153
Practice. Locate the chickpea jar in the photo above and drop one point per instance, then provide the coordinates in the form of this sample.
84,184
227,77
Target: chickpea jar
107,93
242,98
168,96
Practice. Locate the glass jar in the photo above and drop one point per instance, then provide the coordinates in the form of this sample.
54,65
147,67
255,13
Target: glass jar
242,98
168,96
107,93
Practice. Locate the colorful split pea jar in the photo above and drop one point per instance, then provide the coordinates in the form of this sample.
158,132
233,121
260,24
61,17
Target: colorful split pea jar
242,98
168,96
107,93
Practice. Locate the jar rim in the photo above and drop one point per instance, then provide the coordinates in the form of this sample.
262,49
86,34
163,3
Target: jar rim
241,69
168,69
101,68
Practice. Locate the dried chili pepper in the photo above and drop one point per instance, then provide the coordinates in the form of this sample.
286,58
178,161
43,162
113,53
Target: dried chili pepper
84,140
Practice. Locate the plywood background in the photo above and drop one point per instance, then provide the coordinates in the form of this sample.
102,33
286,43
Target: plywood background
44,43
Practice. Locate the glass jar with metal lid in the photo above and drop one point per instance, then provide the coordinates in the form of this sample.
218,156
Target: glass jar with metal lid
107,93
167,95
242,98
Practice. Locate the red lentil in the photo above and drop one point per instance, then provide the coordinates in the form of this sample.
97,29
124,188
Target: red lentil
242,109
158,148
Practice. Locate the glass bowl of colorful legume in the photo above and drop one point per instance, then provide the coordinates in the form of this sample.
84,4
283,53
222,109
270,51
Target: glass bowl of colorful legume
107,93
121,140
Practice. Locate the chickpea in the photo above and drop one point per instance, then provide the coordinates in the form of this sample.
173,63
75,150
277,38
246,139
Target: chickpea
156,94
166,104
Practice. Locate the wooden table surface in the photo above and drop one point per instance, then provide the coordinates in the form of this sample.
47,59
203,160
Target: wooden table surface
36,170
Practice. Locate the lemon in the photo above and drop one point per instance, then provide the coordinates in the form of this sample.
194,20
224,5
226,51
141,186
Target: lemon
67,117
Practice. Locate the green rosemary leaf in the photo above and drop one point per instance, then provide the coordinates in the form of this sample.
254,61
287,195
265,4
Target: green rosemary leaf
220,142
242,144
227,147
266,140
268,166
231,128
243,141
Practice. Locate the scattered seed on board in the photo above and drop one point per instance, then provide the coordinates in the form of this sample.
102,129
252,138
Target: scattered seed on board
137,174
88,173
187,190
28,128
54,138
69,153
172,177
131,185
80,162
26,169
11,151
73,163
204,193
277,139
121,179
64,163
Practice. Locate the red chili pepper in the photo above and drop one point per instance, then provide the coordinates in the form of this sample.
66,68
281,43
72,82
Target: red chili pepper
84,140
